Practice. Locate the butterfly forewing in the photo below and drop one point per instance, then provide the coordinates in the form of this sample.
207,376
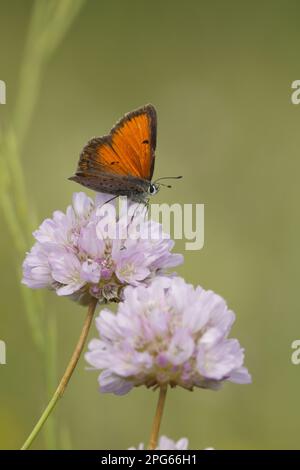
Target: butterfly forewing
123,161
134,140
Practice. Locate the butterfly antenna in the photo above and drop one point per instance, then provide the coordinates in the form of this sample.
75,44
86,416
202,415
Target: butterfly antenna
168,178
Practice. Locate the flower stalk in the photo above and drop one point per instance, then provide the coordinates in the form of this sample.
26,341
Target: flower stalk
66,377
158,417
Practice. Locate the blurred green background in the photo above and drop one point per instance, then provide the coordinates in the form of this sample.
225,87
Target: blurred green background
219,74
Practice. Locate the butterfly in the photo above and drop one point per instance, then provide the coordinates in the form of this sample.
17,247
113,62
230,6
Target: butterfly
122,162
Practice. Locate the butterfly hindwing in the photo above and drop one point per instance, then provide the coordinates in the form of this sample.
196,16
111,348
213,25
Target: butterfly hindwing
114,184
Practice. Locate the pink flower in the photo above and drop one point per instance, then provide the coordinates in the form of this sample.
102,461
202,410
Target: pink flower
165,443
167,333
75,256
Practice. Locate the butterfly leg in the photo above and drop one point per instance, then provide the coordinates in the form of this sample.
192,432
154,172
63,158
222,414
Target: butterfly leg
133,216
110,200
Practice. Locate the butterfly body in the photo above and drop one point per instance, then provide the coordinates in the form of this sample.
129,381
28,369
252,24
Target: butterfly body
122,162
136,189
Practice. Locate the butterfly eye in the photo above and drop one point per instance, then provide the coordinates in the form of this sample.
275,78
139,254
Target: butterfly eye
153,188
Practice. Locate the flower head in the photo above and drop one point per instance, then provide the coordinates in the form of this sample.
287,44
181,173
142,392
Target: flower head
167,333
91,251
165,443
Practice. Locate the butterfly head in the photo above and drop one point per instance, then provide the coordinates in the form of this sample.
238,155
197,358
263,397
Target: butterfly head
153,189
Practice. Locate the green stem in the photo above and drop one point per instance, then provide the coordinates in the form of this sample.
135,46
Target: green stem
50,362
66,377
158,417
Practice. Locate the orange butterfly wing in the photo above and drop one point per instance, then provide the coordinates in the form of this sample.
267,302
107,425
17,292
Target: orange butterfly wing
127,151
